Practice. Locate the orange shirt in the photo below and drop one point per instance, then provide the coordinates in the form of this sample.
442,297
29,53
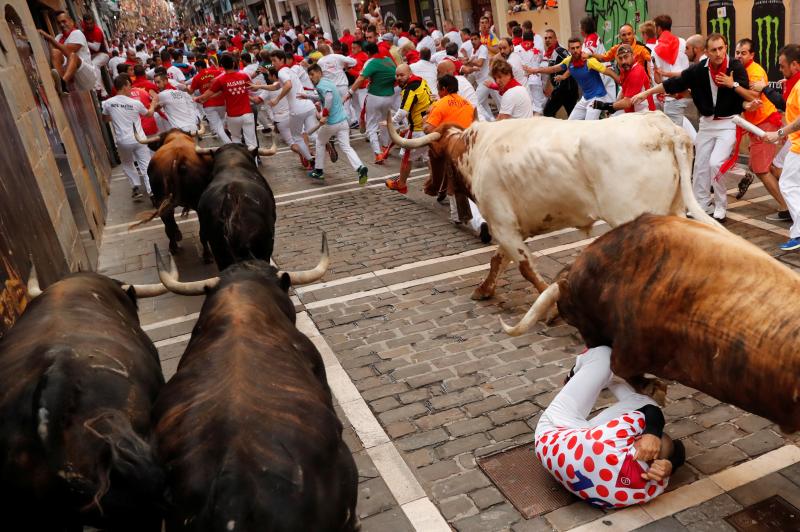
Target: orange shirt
792,113
756,116
452,109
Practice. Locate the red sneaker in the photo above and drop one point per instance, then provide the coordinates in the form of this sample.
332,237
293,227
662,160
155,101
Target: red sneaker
394,184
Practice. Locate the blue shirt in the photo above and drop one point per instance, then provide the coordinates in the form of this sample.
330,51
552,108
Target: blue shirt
336,112
588,76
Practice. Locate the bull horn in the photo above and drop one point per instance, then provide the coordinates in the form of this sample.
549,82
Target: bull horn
409,144
145,140
33,283
272,150
146,290
309,276
169,278
200,131
203,151
538,310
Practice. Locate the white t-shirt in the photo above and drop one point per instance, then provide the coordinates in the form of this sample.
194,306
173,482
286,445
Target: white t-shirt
296,105
280,113
436,34
175,73
180,109
681,62
516,102
454,36
250,70
427,42
467,91
77,37
515,61
143,56
465,50
302,75
531,59
333,66
482,53
438,56
427,71
125,115
113,63
290,34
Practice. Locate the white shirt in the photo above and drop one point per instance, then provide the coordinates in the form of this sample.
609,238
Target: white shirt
296,105
143,56
125,115
483,73
516,102
454,36
180,109
427,42
175,73
402,41
77,37
681,62
515,61
531,59
113,63
290,34
333,66
465,50
302,75
281,112
438,56
427,71
436,34
467,91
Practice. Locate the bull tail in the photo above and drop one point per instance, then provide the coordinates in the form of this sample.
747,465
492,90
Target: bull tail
682,148
538,311
146,216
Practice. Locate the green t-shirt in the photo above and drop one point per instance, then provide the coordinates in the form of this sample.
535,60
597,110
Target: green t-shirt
380,72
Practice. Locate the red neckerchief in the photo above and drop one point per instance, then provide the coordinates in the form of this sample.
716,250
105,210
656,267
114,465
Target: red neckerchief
651,40
551,49
510,85
404,34
668,47
723,69
748,64
284,66
516,41
412,57
528,46
64,36
411,78
577,64
789,85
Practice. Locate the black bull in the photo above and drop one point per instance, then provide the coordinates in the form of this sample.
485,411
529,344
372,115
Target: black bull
78,379
246,427
237,209
690,302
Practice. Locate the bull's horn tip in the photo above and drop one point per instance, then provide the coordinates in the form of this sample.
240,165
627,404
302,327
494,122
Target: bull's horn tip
509,329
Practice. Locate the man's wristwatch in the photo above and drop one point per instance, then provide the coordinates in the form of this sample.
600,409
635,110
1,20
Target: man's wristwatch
781,133
735,84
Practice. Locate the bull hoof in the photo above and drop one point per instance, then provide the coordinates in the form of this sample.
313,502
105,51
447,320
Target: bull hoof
479,295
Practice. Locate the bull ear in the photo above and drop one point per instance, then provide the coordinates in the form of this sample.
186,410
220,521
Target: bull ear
285,281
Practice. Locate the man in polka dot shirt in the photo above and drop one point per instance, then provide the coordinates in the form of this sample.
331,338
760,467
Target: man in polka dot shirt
617,458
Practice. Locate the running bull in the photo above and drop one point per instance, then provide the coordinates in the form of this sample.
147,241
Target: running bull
674,298
79,378
246,427
237,209
573,174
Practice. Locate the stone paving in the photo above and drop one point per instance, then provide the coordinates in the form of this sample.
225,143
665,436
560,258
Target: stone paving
434,367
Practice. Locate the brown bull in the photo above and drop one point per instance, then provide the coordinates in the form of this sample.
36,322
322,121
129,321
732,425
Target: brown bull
246,427
178,176
78,379
687,301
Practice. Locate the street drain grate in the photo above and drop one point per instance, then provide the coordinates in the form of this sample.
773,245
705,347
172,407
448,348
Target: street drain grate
773,514
518,474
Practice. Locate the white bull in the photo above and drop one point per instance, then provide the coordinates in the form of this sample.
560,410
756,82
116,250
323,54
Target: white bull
533,176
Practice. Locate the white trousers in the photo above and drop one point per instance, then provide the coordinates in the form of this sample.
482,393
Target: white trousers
140,153
675,110
538,99
713,146
484,111
779,159
789,184
377,108
571,407
243,126
341,132
357,103
285,130
584,110
298,123
216,119
99,60
477,219
351,116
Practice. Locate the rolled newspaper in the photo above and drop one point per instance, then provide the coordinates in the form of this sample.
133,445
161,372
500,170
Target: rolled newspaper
744,124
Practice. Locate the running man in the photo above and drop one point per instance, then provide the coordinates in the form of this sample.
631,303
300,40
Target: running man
414,104
621,456
178,105
124,113
334,124
302,111
214,107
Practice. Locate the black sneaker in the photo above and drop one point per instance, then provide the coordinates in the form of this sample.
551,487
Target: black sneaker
362,175
442,198
332,151
485,236
316,174
135,194
745,183
780,216
354,125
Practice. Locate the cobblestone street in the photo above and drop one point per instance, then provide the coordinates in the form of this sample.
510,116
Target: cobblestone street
426,381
